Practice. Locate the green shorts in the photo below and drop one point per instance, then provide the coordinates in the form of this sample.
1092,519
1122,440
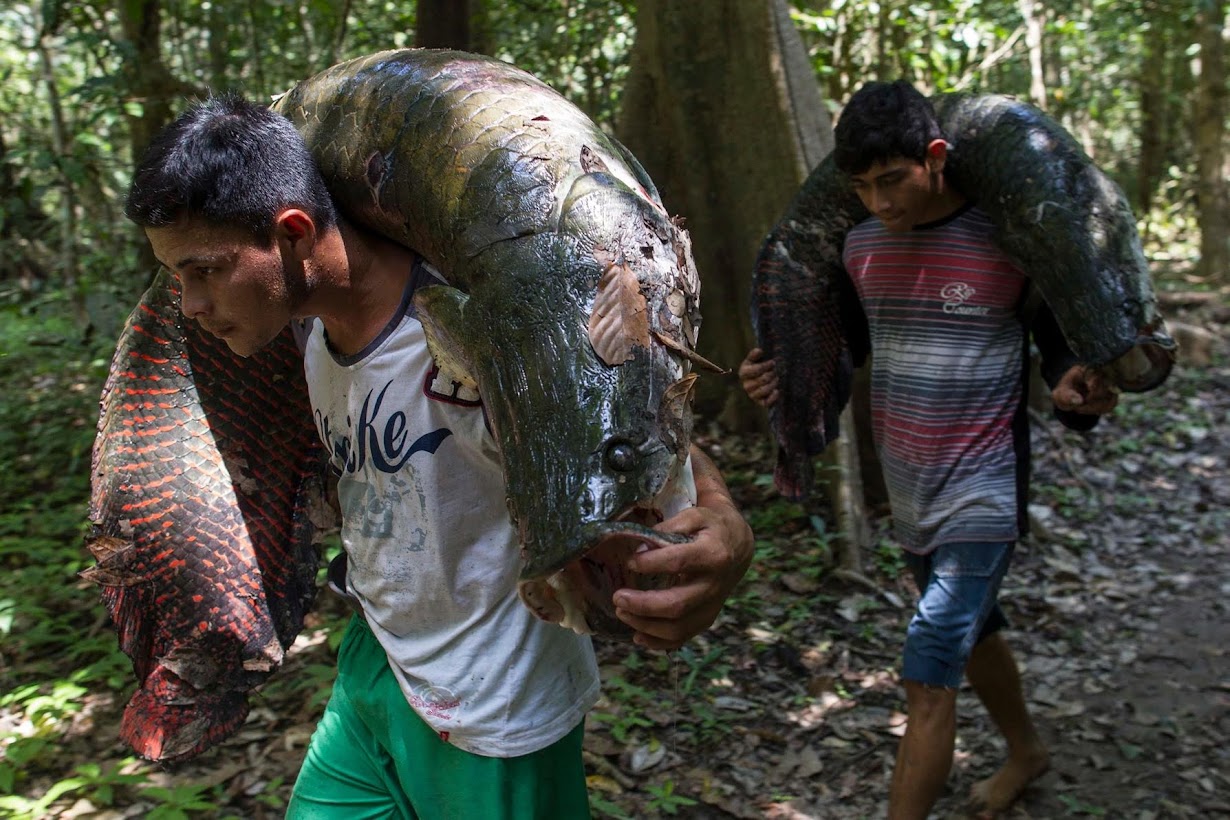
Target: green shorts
372,756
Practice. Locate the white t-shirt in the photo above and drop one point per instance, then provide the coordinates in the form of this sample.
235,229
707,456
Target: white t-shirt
432,555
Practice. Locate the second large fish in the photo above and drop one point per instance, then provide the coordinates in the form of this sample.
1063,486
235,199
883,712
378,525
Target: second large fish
1062,221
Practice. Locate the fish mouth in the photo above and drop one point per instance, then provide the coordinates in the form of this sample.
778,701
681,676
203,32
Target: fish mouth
1146,364
580,595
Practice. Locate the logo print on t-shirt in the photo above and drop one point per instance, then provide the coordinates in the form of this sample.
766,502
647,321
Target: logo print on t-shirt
382,440
955,295
435,701
380,513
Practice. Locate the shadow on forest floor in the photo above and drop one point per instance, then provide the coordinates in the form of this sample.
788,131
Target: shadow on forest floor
790,707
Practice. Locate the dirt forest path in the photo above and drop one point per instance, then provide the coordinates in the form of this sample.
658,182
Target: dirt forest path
790,707
1120,611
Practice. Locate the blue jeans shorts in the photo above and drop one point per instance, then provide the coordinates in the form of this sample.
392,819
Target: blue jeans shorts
959,583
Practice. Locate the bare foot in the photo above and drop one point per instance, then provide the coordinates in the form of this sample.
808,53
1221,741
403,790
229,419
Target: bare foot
991,796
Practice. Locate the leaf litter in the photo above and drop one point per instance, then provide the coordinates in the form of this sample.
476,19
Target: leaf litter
791,706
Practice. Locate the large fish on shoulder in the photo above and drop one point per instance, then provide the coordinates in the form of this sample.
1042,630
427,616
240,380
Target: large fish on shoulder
1056,216
572,304
572,307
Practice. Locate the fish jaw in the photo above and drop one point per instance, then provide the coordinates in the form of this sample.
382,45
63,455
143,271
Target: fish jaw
580,595
1146,364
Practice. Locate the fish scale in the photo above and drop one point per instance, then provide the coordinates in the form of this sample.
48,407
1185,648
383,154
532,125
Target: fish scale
515,195
204,573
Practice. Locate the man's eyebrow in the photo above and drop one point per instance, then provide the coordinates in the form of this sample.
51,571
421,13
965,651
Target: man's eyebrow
890,172
192,260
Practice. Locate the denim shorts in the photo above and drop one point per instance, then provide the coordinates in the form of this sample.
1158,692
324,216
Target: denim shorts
959,583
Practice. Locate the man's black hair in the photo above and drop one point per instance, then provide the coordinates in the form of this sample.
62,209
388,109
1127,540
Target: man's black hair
881,122
232,163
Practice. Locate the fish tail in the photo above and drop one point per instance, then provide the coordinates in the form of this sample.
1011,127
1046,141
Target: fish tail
167,720
792,477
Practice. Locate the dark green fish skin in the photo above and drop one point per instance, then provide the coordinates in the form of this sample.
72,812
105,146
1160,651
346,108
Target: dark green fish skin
1068,226
522,203
1057,217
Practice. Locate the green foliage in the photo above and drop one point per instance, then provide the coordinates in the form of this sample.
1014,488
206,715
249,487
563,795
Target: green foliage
628,702
179,802
1079,808
665,800
889,558
601,807
580,48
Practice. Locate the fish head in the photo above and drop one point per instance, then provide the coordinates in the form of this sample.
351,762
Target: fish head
587,392
592,453
1121,262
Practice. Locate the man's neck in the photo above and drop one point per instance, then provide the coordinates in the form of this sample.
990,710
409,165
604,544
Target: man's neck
946,202
360,280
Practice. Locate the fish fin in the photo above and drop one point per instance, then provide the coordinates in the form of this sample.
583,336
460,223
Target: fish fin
689,354
675,413
117,563
441,309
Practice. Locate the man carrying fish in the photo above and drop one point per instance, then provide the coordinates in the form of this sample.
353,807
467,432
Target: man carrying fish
944,310
451,700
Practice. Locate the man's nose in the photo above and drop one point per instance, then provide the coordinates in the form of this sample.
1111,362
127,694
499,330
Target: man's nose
193,301
879,202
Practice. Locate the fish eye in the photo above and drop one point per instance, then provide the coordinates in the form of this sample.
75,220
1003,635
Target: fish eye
621,457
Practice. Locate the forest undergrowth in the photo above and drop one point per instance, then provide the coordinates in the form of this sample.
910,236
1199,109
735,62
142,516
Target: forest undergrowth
789,707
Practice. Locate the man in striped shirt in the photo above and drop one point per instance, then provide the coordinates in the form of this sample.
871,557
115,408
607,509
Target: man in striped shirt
949,345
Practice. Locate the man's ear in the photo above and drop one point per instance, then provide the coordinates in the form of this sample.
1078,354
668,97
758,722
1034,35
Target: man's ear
937,155
295,231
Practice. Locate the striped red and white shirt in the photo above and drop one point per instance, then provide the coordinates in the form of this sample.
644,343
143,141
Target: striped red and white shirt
947,344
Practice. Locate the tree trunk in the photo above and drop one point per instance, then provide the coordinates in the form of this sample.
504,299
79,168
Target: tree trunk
1212,195
1034,15
442,24
728,129
68,267
68,187
1153,109
149,83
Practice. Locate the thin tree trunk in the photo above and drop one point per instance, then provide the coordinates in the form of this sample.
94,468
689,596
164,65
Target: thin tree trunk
1153,111
882,42
149,82
442,24
1212,194
255,58
1034,15
339,42
68,262
219,47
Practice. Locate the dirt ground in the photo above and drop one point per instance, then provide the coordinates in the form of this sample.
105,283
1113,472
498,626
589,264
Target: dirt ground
791,707
1119,613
